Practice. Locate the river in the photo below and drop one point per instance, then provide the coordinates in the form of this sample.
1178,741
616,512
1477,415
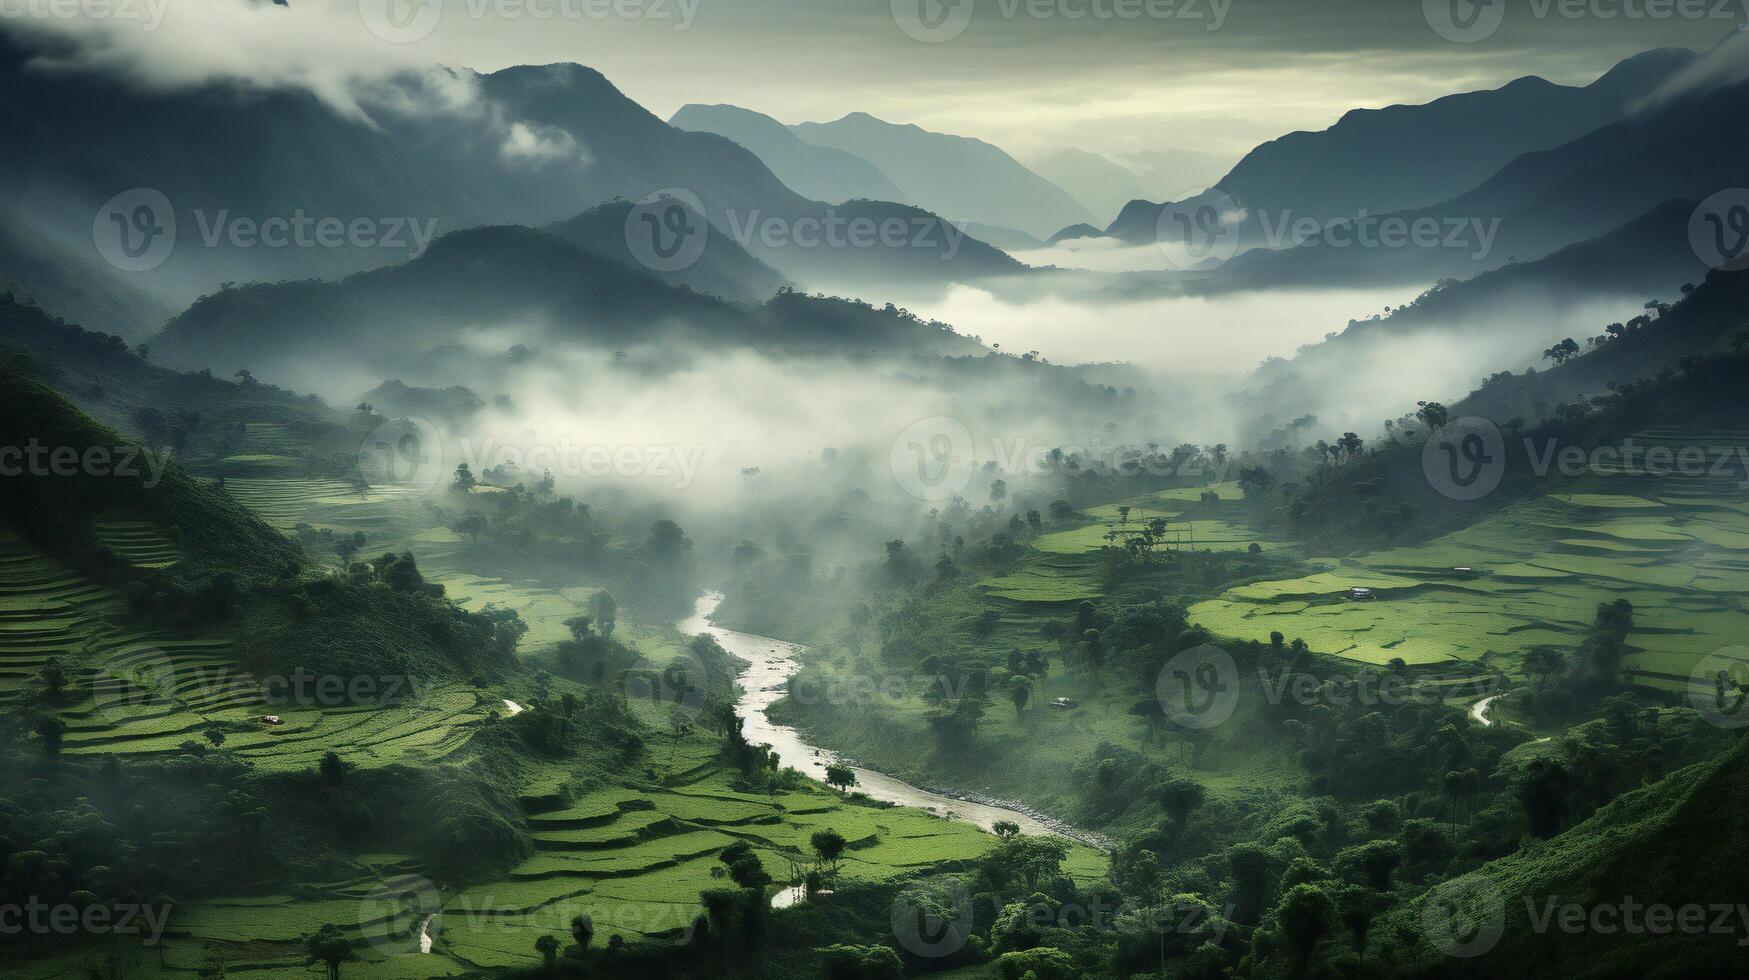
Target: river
769,666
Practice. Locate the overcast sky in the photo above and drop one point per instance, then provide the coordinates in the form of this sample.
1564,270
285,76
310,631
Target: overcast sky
1028,75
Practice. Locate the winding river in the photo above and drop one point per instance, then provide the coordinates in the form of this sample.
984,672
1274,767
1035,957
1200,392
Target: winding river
769,666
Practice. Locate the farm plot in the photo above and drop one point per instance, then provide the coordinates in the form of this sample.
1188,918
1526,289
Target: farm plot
1676,547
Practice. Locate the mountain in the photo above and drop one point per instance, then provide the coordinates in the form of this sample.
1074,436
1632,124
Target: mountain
1412,156
722,269
1713,318
817,172
1472,329
1654,846
72,285
955,176
1098,184
419,156
1675,149
1170,172
424,321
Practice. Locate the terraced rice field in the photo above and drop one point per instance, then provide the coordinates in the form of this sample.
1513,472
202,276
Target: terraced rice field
636,860
139,543
285,503
1064,567
136,690
1677,547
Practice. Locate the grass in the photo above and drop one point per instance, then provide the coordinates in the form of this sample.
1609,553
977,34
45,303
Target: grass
1676,547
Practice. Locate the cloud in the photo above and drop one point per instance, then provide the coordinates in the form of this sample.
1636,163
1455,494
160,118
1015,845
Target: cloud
318,45
530,144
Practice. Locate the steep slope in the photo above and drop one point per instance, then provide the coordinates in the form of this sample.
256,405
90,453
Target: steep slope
817,172
1543,201
1404,156
1464,331
1415,156
1660,845
1713,318
474,294
954,176
722,269
62,280
1098,184
433,154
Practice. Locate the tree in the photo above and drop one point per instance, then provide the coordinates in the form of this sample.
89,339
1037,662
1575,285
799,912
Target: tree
1019,692
1005,828
464,479
840,776
332,769
52,731
215,737
748,872
1433,415
548,948
329,947
347,546
1179,796
1372,863
604,610
471,524
829,845
1306,914
582,931
54,678
998,491
1562,352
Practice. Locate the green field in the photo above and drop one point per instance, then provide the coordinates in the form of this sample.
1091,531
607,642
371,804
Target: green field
1676,547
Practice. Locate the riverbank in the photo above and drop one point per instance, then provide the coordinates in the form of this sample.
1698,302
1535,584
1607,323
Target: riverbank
770,663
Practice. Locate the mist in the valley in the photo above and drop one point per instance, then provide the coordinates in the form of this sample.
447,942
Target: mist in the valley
1200,334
